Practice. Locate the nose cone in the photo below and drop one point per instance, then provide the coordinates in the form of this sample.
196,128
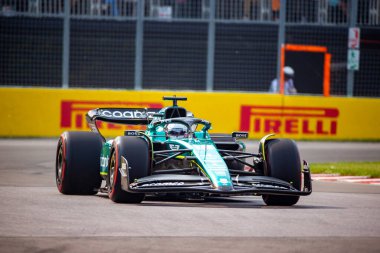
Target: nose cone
213,166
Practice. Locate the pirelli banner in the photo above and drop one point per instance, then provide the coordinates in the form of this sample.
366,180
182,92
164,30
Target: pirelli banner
30,112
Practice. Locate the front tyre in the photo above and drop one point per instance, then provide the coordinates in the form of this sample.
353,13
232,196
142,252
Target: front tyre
77,163
136,151
283,162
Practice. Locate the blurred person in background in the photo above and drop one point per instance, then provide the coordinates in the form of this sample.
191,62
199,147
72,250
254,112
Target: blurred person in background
252,9
289,88
275,9
248,4
337,11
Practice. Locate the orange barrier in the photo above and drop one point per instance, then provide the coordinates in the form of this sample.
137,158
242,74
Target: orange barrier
312,49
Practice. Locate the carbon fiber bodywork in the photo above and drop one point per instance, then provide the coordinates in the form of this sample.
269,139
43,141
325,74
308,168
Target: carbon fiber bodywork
255,185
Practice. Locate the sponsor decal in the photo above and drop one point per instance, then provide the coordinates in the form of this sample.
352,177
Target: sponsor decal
163,184
174,147
73,113
131,133
289,120
260,185
220,172
104,161
223,180
242,135
125,113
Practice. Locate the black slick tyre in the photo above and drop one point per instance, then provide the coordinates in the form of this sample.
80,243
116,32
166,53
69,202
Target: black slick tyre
283,162
136,151
77,163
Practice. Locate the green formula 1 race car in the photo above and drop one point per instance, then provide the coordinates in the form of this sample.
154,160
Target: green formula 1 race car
176,155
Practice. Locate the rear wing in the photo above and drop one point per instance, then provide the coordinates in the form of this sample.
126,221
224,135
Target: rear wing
129,116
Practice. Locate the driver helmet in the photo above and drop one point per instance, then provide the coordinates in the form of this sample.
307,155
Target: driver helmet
177,130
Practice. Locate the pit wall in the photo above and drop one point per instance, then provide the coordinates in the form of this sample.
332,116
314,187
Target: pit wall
29,112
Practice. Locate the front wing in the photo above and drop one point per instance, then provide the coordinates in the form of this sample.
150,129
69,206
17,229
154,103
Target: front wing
242,185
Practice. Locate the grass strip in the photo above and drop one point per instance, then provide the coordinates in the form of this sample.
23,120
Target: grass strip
371,169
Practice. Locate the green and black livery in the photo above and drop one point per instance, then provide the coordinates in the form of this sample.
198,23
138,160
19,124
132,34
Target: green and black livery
176,154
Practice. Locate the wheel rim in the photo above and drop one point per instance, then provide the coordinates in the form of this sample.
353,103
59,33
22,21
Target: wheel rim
112,171
59,165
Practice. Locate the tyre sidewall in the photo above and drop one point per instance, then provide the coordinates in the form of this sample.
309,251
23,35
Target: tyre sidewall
80,163
136,151
282,162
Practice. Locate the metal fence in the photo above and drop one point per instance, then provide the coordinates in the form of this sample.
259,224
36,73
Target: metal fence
233,45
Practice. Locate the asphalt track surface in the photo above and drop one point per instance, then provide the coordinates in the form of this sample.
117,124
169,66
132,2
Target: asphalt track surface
35,217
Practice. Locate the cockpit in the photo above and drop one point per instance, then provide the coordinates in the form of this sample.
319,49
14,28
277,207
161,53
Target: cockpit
177,130
181,128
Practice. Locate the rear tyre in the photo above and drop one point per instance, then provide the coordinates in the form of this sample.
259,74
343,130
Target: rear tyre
283,162
78,164
136,151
